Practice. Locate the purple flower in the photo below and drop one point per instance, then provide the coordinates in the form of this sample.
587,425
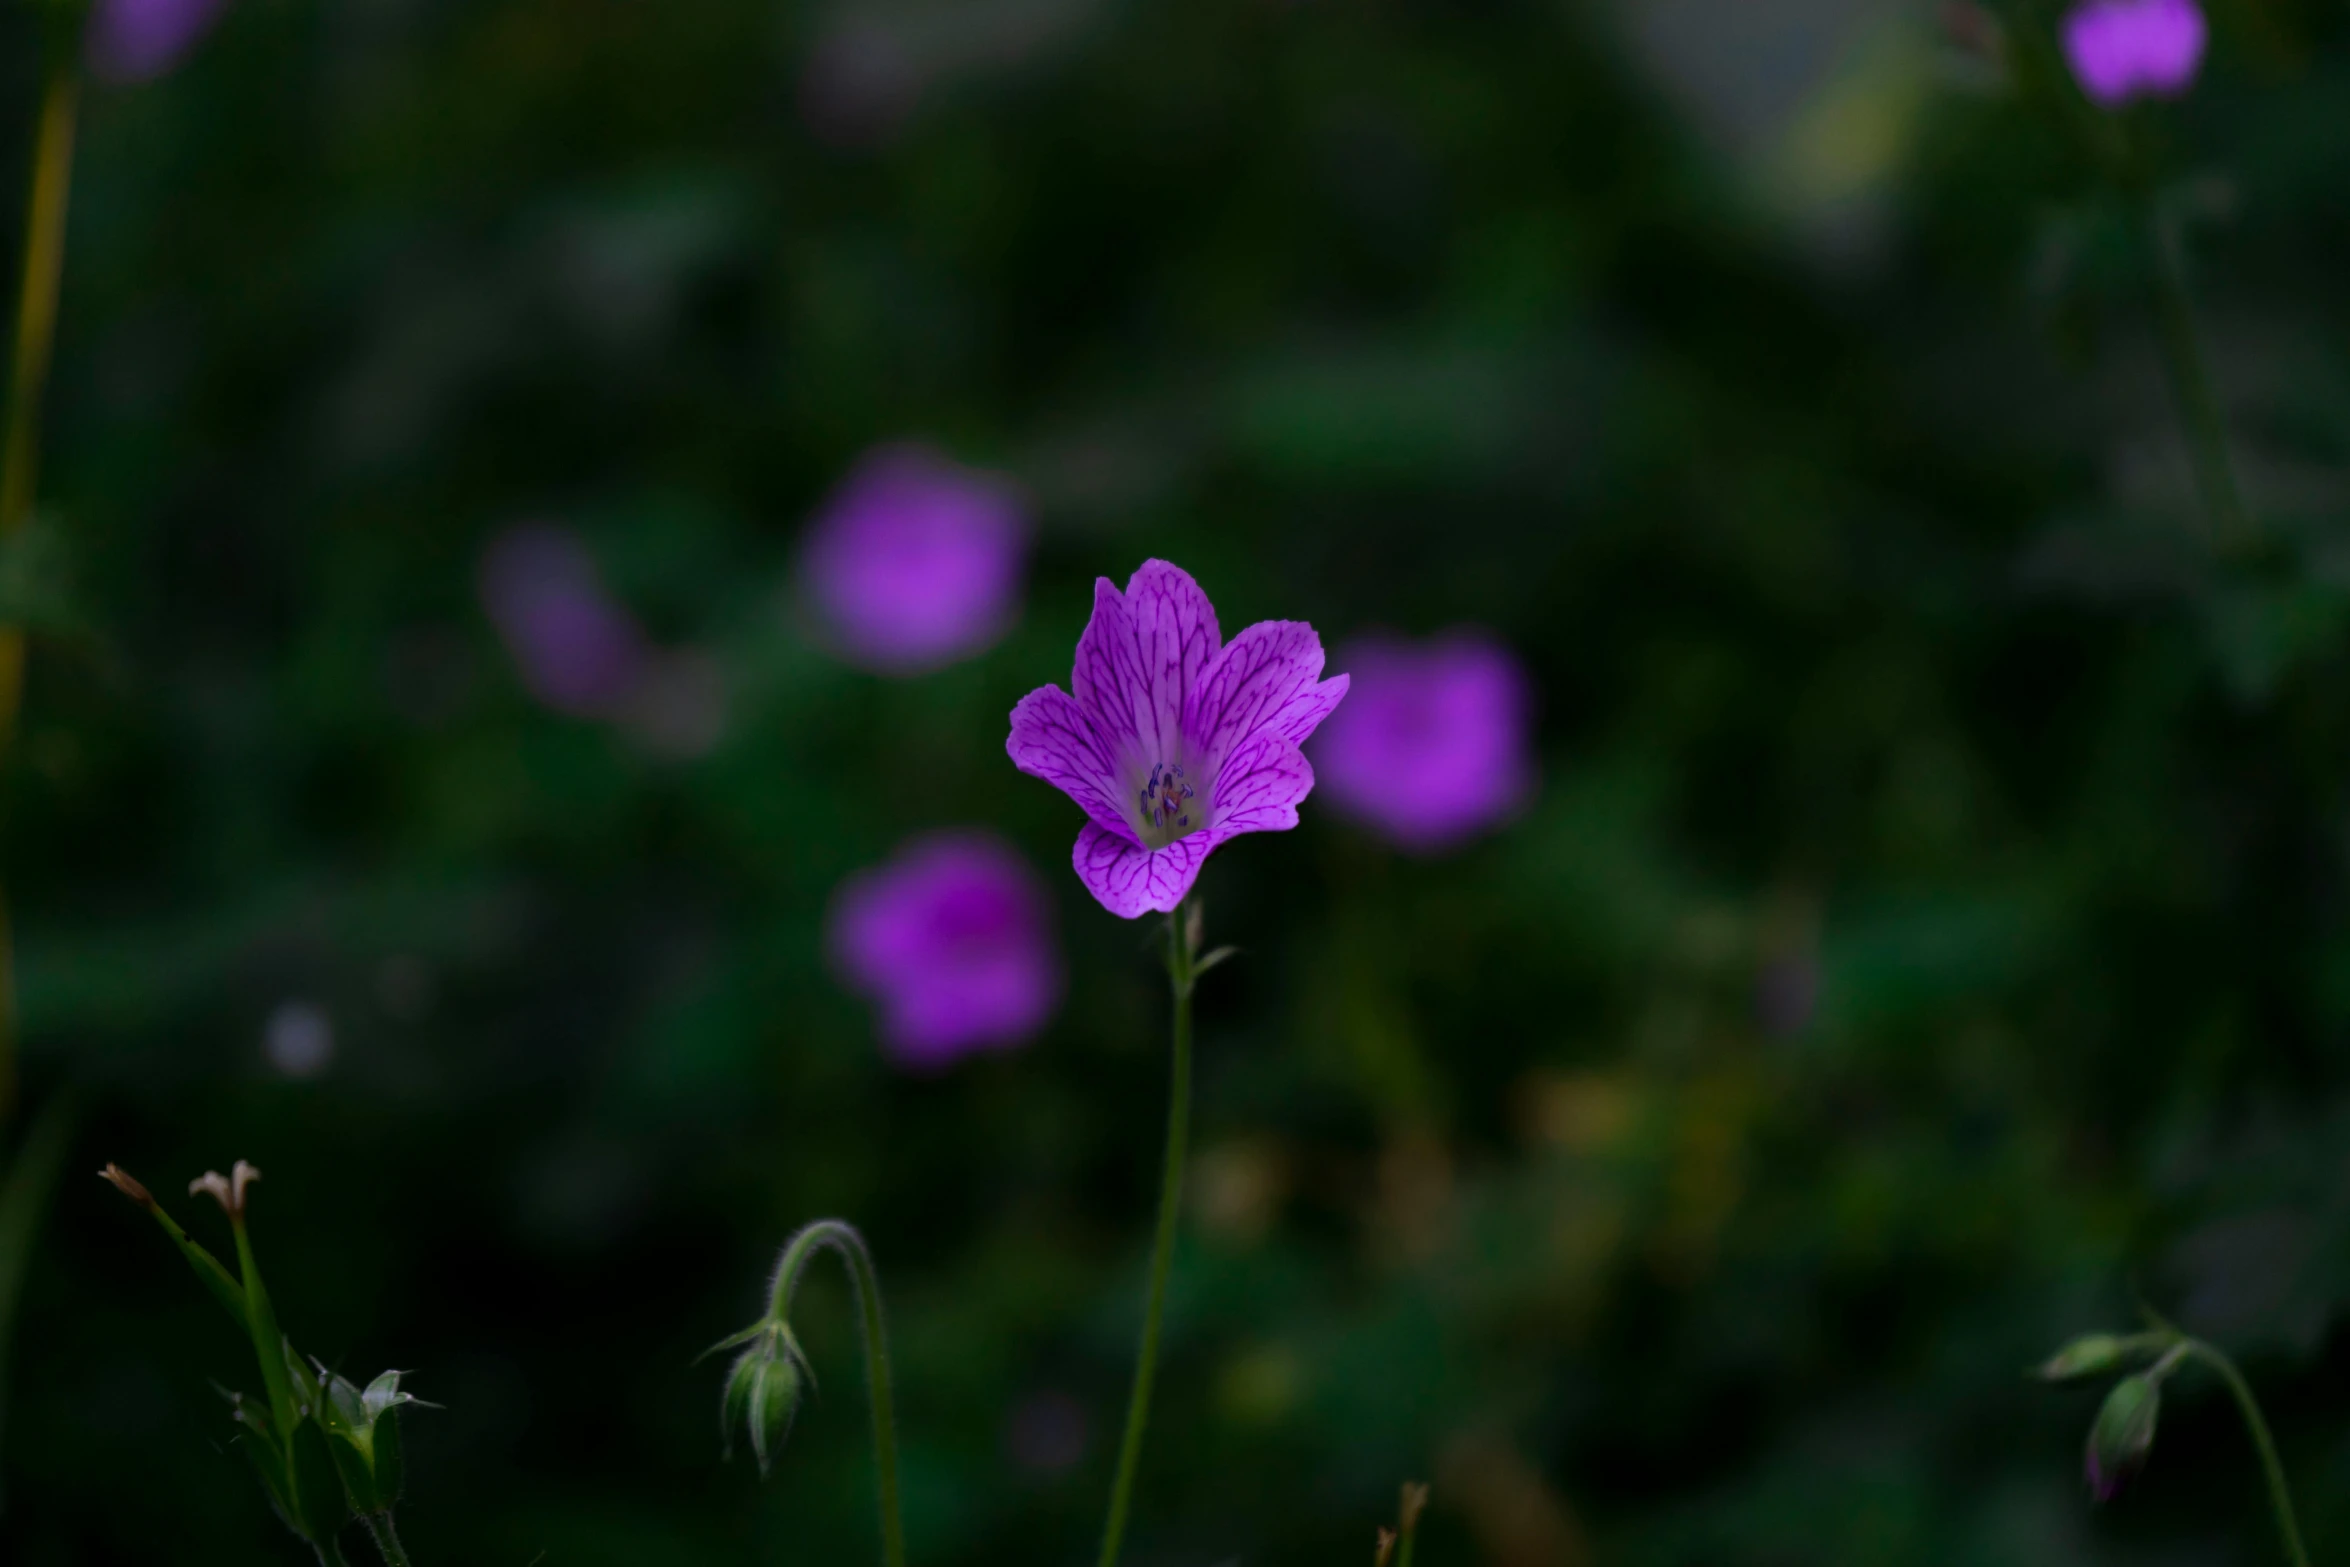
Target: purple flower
135,40
579,652
953,937
915,561
1174,742
2125,49
1433,748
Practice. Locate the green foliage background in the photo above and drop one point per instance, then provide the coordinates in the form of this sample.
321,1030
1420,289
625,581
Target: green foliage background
1801,428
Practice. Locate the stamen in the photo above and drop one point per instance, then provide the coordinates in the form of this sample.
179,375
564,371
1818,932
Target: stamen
1166,802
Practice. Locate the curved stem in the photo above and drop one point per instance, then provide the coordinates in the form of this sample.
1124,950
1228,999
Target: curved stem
2279,1498
1182,952
20,441
798,1252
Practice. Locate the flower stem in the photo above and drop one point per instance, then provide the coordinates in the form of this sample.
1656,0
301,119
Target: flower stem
2279,1498
20,439
2191,387
1182,953
798,1252
387,1539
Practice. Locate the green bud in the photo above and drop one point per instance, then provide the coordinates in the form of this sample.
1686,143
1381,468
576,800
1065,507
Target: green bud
365,1430
763,1391
2089,1355
2124,1433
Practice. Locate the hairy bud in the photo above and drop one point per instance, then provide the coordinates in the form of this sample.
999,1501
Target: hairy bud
2124,1433
763,1391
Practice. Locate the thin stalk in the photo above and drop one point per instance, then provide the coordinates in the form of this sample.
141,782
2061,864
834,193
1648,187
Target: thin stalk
1182,975
387,1539
2279,1498
2191,386
834,1235
35,340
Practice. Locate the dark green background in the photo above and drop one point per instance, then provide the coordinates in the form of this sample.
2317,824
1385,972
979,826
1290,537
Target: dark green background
1844,530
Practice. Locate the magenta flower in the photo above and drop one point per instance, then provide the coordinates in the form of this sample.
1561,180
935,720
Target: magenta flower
136,40
1174,743
915,561
579,652
1432,749
953,937
2125,49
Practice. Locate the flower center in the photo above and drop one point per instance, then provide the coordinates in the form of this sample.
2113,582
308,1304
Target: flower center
1170,807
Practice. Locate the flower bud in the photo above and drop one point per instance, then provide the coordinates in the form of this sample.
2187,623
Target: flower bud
2087,1356
2124,1433
763,1391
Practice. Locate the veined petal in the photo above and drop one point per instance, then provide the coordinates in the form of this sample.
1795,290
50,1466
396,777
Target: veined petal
1304,713
1260,788
1265,680
1130,880
1052,739
1139,658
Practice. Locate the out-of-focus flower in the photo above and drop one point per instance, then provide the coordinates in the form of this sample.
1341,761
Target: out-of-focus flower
2125,49
300,1039
578,651
1173,742
1432,748
915,561
137,40
953,937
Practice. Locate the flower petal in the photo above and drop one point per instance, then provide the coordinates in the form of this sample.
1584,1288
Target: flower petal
1260,787
1130,880
1264,680
1052,739
1297,721
1141,654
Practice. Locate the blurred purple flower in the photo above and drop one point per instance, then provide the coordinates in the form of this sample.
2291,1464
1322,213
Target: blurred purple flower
953,937
1432,749
579,652
2125,49
136,40
915,561
1174,743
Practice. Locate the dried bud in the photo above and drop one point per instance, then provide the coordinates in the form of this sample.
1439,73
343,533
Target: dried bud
228,1191
2124,1433
763,1391
2090,1355
1386,1552
120,1179
1415,1502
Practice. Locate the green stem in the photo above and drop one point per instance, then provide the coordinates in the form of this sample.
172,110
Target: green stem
2191,385
2279,1498
834,1235
387,1539
20,441
1181,955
